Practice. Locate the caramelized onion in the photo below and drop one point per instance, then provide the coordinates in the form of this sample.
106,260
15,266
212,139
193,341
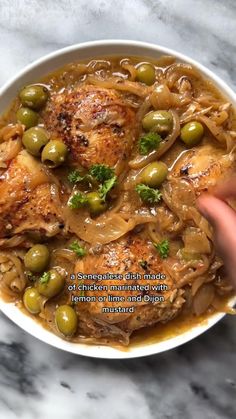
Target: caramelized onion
12,280
142,161
14,241
9,149
195,272
191,115
177,70
11,132
119,84
217,131
163,98
126,65
203,298
101,230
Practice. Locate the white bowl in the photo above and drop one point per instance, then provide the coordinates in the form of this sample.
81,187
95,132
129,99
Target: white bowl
33,73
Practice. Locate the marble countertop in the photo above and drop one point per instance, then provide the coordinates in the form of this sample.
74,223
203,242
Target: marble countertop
195,381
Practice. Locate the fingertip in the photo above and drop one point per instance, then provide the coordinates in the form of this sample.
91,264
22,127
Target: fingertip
204,203
226,188
217,212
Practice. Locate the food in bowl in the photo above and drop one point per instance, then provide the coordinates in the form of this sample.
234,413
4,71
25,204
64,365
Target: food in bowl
101,165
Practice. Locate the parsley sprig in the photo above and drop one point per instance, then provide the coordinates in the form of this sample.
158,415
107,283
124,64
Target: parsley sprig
75,177
163,248
147,194
149,142
45,278
79,250
106,187
106,176
78,200
101,173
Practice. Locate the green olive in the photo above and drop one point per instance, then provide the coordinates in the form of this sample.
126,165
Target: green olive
95,203
37,258
192,133
32,300
27,117
54,153
53,286
66,320
154,174
158,121
146,74
34,96
34,139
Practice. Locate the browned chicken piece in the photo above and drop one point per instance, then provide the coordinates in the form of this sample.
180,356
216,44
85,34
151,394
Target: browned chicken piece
203,167
196,171
28,199
136,255
95,123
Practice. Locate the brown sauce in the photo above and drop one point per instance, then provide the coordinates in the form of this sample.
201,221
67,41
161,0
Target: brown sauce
203,95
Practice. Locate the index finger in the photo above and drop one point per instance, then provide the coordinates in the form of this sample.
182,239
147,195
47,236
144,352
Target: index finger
226,189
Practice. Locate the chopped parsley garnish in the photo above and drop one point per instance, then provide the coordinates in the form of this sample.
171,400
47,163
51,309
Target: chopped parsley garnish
30,276
149,142
78,200
75,177
101,172
162,248
143,264
106,176
147,194
44,279
77,249
107,186
81,291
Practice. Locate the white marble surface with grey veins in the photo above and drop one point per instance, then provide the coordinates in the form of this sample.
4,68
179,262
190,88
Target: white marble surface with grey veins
196,381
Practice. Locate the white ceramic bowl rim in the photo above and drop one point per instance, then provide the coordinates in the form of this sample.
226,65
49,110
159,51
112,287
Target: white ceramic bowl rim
36,71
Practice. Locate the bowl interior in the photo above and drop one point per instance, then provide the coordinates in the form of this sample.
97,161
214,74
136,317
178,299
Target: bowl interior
33,73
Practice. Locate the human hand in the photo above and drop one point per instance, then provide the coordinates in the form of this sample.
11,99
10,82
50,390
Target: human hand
222,217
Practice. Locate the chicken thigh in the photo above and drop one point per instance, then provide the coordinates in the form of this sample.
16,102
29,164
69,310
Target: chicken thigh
95,123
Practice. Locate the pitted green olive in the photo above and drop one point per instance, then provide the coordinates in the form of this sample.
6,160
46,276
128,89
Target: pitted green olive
66,320
32,300
158,121
146,73
37,258
192,133
95,203
27,117
53,285
35,139
54,153
154,174
34,96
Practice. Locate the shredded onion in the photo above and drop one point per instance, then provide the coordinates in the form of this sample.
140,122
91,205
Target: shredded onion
126,65
11,132
13,279
163,98
177,70
9,150
141,161
102,230
203,298
120,84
